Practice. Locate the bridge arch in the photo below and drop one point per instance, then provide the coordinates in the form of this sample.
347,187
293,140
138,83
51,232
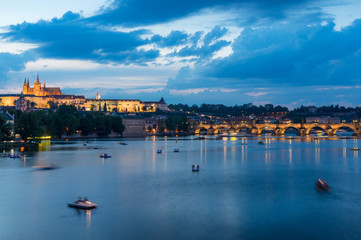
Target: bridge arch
198,131
221,130
315,128
346,126
266,128
244,127
283,130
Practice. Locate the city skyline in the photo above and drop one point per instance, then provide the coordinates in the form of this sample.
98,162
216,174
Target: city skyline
291,54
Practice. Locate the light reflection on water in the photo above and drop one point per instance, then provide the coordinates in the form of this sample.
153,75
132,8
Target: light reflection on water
243,190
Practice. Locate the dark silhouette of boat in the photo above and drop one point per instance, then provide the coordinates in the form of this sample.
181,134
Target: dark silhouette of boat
82,204
322,186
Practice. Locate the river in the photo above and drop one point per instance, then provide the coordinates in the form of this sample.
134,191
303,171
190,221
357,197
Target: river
243,190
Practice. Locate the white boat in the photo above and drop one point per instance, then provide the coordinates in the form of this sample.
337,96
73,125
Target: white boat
105,155
82,204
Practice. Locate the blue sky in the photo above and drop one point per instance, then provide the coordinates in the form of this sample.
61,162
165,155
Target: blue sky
291,53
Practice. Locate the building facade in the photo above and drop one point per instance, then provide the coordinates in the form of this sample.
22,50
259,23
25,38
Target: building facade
40,96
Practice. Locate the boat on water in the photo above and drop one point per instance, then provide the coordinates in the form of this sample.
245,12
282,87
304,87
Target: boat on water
195,168
355,149
16,156
85,143
176,150
123,143
159,151
5,155
261,143
82,204
322,186
105,155
46,167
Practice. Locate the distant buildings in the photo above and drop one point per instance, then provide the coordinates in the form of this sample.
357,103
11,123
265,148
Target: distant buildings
40,96
323,119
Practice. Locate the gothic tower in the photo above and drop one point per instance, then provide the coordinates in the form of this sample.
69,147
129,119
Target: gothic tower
25,87
37,86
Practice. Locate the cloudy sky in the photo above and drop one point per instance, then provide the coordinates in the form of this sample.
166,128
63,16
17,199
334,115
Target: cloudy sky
300,52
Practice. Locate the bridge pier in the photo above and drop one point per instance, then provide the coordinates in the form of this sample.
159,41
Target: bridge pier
255,131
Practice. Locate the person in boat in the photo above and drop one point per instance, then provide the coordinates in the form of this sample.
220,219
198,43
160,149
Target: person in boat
322,185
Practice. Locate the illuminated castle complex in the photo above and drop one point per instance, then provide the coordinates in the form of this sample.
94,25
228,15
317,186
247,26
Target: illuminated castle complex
37,90
48,97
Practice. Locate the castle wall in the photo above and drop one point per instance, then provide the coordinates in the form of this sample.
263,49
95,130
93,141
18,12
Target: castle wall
8,101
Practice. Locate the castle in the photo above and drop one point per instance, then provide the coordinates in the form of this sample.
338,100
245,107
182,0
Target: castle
37,90
48,97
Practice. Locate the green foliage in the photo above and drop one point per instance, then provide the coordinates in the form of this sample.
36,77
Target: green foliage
179,123
66,120
5,130
30,124
117,125
221,110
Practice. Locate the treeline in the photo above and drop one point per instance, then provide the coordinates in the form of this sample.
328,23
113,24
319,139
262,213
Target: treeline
5,129
174,122
66,120
221,110
331,110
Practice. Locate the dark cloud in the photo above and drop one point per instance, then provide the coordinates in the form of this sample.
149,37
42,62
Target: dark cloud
12,62
283,54
175,38
72,37
210,45
143,12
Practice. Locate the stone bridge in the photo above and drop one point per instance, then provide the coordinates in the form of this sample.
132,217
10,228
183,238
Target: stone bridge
278,129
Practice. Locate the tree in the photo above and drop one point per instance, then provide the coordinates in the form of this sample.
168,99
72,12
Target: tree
33,104
5,129
52,105
105,107
29,125
117,125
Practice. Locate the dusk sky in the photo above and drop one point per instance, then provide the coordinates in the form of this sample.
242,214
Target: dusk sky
291,53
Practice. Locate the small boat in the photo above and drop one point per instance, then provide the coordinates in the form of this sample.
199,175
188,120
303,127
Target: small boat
355,149
123,143
85,143
105,155
46,167
261,143
159,151
82,204
5,155
195,168
95,148
16,156
176,150
321,185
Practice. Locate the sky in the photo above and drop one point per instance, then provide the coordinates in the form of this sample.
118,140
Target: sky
290,53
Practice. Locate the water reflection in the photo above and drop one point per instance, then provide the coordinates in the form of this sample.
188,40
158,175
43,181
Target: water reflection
240,182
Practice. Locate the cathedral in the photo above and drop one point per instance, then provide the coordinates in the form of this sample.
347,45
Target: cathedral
39,91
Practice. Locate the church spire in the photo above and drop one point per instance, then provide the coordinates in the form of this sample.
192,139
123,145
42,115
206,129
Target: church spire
37,79
25,82
28,84
44,83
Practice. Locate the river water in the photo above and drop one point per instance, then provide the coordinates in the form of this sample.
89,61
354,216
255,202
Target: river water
243,190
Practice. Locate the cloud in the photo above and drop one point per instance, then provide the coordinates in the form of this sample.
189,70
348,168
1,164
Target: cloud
72,37
145,12
175,38
266,56
12,62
